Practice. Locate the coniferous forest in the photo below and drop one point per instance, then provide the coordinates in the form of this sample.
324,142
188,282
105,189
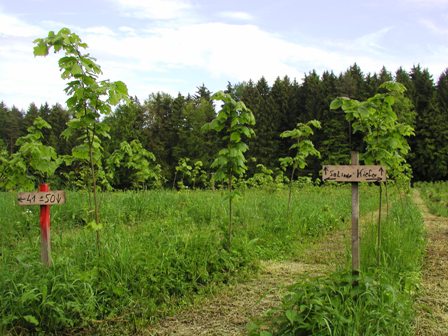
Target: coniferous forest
169,127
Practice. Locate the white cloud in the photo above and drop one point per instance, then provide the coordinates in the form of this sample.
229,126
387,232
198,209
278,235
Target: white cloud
14,27
155,9
100,30
372,42
128,30
25,79
22,78
235,51
242,16
226,52
434,28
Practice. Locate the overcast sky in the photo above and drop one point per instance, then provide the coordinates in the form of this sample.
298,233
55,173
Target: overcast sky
177,45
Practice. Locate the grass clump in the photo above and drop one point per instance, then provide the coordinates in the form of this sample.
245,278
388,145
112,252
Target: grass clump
334,306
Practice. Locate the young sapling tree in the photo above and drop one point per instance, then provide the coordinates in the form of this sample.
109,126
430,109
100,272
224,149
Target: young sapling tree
134,166
89,99
198,174
303,148
383,134
183,167
233,122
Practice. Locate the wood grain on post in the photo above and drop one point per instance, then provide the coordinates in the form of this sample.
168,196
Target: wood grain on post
356,265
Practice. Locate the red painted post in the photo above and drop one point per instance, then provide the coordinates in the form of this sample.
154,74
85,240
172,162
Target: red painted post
45,229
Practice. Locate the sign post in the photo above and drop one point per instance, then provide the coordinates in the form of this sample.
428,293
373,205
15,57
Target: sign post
354,174
356,262
45,198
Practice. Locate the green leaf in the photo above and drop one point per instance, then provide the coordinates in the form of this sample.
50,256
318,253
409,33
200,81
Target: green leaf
235,137
81,152
94,226
41,48
336,104
292,316
31,319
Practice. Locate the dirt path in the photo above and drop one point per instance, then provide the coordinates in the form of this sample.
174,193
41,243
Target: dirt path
432,306
228,312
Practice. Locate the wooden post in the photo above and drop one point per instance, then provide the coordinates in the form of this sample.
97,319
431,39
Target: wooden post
45,229
354,174
356,265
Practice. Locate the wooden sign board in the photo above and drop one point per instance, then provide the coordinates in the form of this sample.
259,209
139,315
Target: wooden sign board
354,173
41,197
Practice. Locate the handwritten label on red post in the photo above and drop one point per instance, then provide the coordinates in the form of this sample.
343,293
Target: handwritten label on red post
41,197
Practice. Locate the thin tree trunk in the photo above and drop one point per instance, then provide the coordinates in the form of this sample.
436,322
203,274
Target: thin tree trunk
230,214
290,189
95,196
174,181
378,244
356,260
387,201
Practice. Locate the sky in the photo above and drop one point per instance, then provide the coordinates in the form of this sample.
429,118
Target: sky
176,46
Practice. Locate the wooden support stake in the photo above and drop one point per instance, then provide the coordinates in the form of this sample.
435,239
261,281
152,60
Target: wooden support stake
45,229
356,264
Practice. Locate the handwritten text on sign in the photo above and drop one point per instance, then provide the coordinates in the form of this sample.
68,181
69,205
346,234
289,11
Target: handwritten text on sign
41,197
354,173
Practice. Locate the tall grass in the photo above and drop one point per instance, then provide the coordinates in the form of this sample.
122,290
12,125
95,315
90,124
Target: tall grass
160,249
435,195
377,302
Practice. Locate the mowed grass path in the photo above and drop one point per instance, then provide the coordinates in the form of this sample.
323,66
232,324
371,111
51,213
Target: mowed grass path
432,305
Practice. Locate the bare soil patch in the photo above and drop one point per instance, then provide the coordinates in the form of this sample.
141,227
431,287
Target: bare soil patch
432,305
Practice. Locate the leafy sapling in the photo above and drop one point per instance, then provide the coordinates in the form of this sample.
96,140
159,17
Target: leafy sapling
184,167
134,166
303,148
383,134
262,177
89,99
234,123
198,174
34,162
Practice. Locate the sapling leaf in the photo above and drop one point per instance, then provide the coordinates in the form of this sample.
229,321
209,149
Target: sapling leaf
41,48
235,137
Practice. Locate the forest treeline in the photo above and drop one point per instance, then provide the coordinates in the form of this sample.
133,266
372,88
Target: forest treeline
170,126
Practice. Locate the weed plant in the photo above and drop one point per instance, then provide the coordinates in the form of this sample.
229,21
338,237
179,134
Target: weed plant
379,301
160,249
